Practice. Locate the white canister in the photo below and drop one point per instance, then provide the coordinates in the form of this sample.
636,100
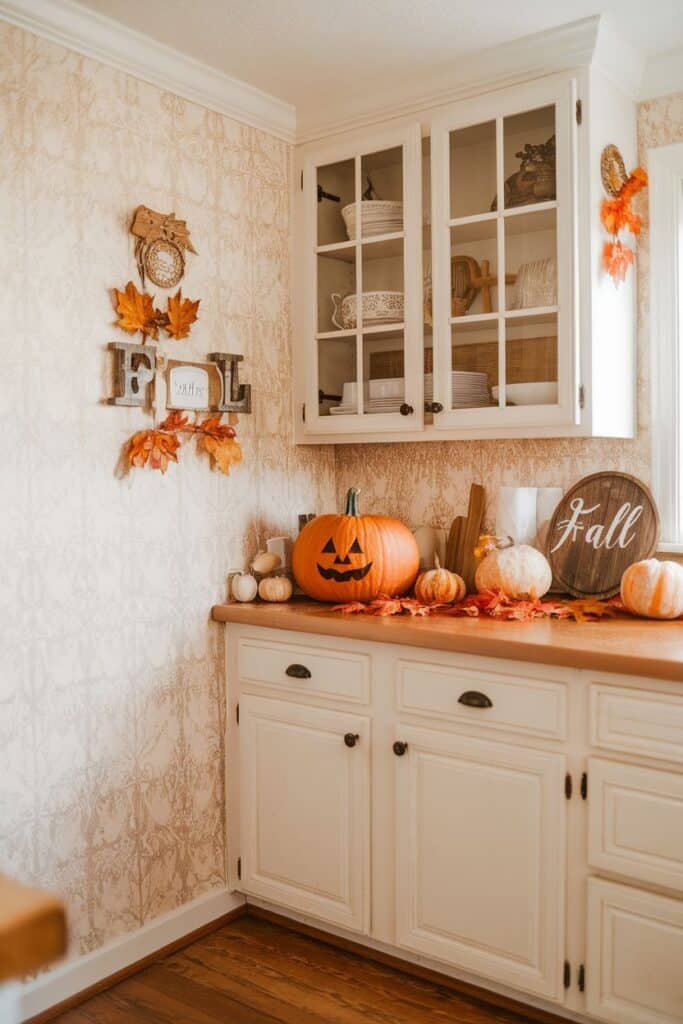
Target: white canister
281,546
547,500
516,514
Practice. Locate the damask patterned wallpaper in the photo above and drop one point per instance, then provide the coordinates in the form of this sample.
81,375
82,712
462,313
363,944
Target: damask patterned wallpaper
111,713
429,482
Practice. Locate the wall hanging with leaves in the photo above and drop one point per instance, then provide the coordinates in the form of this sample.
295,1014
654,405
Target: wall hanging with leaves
137,313
161,242
616,213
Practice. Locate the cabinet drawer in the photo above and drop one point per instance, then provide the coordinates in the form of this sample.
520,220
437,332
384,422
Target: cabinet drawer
635,823
530,706
634,955
302,670
636,722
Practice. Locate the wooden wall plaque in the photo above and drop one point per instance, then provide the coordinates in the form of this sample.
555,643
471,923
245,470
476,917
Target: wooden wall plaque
603,524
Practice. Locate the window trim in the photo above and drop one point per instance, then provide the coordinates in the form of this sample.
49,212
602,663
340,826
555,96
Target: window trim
665,168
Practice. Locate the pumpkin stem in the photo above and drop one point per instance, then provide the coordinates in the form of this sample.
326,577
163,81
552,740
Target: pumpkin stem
437,563
352,508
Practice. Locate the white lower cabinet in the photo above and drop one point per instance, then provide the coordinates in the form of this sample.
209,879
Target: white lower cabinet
634,963
464,812
481,857
305,789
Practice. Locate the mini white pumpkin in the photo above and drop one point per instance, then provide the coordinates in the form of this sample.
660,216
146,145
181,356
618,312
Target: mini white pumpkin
244,587
520,571
265,562
653,589
275,588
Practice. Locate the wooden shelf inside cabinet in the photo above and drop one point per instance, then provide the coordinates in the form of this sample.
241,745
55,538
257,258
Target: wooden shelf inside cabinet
375,247
388,331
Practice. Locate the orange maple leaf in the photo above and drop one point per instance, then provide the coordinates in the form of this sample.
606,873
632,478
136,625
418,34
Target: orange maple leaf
180,315
175,420
616,259
636,181
153,446
616,214
218,439
136,312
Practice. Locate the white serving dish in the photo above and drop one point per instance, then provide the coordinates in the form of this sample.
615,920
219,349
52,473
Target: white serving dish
380,217
380,307
536,393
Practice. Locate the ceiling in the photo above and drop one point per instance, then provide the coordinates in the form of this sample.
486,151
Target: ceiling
311,52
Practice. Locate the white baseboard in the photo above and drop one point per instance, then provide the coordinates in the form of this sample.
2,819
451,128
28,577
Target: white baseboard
76,975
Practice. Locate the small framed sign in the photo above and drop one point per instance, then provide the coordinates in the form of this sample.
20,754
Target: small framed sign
193,386
603,524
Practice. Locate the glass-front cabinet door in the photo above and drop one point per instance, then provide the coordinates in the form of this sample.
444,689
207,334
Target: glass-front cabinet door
503,221
361,286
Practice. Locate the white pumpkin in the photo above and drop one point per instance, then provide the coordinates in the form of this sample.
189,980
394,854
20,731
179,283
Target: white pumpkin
520,571
653,589
275,588
244,587
265,562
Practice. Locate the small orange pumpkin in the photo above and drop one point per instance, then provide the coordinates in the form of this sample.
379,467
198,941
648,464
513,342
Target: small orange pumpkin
653,589
351,557
439,586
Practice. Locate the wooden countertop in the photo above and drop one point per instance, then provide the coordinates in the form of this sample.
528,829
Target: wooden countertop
633,647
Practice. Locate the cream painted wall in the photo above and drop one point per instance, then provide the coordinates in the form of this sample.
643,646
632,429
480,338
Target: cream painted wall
111,708
429,482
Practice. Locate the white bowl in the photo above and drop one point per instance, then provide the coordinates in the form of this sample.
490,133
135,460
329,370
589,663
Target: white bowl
388,387
379,307
542,392
380,217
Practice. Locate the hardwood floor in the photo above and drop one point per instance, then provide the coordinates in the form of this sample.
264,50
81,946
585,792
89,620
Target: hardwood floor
253,971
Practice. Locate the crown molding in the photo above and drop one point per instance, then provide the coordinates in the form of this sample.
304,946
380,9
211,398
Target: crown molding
663,75
618,59
558,49
110,42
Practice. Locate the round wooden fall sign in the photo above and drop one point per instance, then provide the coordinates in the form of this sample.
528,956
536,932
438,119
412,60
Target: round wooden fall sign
603,524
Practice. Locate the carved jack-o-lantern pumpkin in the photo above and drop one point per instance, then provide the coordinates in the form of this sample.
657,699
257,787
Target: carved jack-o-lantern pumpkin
352,557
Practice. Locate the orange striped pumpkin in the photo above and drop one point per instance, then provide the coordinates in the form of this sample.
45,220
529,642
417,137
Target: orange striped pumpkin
653,589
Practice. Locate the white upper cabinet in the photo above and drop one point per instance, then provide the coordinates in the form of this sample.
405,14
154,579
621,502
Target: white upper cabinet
503,210
485,310
361,359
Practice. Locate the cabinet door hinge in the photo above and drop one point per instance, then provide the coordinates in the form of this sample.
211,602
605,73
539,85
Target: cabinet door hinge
567,974
581,980
237,713
568,786
582,396
303,412
584,786
239,868
302,181
579,111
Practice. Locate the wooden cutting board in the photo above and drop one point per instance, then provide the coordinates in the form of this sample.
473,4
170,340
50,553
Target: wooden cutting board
469,535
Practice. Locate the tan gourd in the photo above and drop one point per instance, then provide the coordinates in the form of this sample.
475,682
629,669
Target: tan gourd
520,571
653,589
275,588
439,586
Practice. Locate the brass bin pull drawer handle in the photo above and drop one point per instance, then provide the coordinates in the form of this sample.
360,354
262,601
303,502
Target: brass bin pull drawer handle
351,738
475,699
298,672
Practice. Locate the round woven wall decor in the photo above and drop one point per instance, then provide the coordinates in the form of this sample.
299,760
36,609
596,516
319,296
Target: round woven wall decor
164,263
612,170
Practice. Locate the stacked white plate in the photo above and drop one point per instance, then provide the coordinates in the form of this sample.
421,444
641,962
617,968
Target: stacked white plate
380,217
468,391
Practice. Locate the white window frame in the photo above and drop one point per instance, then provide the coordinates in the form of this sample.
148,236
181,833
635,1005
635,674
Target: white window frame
665,169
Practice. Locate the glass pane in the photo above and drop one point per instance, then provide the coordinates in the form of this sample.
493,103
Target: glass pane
383,287
530,360
474,279
337,290
529,157
337,387
474,364
336,194
382,191
531,260
383,369
472,169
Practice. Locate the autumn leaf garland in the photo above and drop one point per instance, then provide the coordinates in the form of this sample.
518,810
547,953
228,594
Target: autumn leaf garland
159,447
137,313
617,215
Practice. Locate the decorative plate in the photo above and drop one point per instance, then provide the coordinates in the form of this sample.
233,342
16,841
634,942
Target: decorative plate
612,170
